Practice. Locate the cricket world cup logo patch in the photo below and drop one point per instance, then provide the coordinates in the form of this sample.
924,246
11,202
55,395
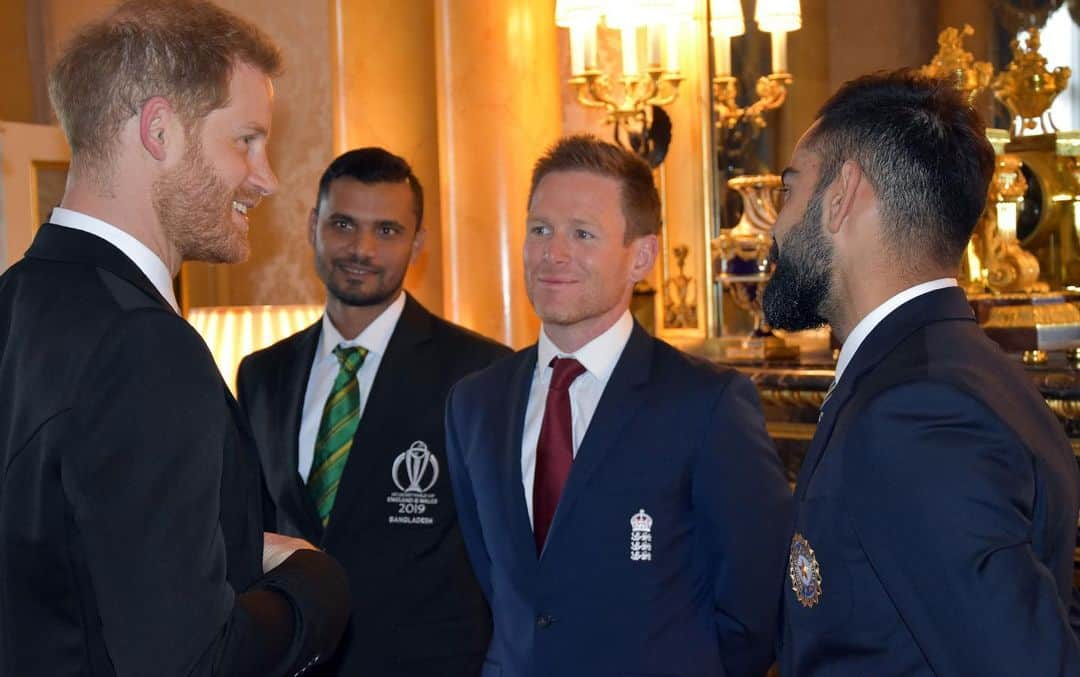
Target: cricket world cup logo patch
416,469
415,472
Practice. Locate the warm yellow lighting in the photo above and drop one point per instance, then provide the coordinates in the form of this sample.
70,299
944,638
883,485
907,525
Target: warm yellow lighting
581,17
571,12
627,13
778,16
1067,142
1006,220
650,31
1076,219
726,18
234,332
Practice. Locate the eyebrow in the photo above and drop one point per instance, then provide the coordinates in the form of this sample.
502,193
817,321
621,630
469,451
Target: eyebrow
257,128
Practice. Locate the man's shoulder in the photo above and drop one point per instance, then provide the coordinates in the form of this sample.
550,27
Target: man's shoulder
463,336
278,353
673,366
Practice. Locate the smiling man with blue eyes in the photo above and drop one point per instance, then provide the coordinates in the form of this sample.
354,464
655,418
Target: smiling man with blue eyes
622,506
349,418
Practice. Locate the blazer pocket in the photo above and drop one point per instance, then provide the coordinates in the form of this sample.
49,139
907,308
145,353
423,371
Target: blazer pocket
491,670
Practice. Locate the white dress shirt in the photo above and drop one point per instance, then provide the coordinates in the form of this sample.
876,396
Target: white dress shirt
877,315
325,368
144,259
599,357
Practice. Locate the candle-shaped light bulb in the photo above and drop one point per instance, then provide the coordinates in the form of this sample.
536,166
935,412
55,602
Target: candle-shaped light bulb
654,39
722,55
779,52
673,47
629,51
577,48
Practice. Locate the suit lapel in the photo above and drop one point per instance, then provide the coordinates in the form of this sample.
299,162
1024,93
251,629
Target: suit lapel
290,390
69,245
622,397
508,459
936,306
401,371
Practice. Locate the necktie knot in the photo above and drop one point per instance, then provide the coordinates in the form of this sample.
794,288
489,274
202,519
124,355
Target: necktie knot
564,371
351,359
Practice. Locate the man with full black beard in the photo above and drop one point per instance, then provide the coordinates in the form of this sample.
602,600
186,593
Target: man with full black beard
936,507
349,418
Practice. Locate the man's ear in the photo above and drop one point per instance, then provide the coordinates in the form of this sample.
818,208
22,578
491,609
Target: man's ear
646,249
418,244
156,127
312,223
842,198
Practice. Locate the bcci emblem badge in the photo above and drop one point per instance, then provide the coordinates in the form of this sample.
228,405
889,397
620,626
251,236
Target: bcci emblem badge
415,472
804,571
640,537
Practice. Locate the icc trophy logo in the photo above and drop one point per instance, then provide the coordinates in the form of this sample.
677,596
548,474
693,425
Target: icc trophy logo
416,469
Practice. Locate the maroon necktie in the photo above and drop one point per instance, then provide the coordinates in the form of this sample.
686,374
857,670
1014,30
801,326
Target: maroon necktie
555,448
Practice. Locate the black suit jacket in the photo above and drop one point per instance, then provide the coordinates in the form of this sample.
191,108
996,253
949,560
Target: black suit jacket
130,495
940,499
419,610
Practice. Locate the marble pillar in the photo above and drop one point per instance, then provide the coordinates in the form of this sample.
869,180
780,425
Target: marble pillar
384,95
498,103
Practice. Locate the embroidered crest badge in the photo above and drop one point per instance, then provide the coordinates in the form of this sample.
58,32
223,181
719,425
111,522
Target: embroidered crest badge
641,537
804,571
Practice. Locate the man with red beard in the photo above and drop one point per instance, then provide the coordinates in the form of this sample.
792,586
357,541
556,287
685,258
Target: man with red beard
936,508
131,502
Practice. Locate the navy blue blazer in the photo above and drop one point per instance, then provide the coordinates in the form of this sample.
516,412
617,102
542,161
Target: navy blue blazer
938,502
679,439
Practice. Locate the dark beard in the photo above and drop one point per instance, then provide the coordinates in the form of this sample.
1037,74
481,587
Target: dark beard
799,288
385,291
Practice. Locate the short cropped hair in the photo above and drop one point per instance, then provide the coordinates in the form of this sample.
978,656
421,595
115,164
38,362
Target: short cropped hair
182,50
373,165
924,150
586,153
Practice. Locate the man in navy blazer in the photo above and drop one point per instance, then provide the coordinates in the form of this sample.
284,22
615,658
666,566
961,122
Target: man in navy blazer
936,509
621,503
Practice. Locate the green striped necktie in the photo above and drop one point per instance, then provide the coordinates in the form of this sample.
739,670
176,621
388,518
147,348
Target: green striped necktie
339,420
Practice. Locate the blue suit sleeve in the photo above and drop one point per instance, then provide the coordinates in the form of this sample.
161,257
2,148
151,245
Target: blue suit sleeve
464,498
942,497
745,506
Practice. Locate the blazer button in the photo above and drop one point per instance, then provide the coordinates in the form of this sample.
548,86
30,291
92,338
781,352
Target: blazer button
544,621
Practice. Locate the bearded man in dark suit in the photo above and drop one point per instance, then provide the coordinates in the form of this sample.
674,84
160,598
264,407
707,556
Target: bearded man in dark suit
349,418
936,508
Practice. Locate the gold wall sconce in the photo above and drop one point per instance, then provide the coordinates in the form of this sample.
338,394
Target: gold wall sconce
649,77
776,17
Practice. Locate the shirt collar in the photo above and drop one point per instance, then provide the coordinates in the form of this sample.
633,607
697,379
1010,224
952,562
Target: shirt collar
149,263
375,337
877,315
598,356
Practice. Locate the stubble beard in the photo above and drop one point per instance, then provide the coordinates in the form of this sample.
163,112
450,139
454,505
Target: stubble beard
194,206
